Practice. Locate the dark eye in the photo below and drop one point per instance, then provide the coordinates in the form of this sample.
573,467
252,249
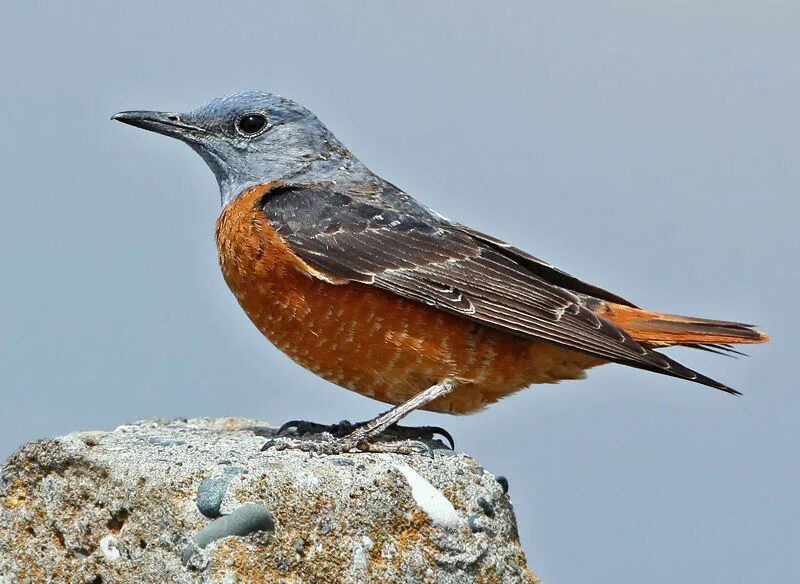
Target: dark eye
251,124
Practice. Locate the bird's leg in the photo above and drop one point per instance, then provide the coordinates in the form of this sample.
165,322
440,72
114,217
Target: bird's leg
377,425
364,435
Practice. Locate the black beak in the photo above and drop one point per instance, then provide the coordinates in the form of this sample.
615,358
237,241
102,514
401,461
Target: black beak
169,124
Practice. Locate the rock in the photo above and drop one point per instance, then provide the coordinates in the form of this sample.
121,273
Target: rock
212,490
197,501
244,520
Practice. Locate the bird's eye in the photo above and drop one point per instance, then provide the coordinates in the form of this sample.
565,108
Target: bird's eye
251,124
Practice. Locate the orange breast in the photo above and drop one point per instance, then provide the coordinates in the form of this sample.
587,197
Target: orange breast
370,340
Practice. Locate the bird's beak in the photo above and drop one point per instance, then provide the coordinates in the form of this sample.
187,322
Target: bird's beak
169,124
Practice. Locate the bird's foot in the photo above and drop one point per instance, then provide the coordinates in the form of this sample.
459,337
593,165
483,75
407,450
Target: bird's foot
328,444
346,437
381,434
346,428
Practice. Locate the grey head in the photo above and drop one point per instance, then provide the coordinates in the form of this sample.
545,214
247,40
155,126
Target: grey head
256,137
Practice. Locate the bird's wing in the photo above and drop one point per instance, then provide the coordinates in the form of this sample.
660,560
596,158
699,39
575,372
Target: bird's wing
381,237
543,269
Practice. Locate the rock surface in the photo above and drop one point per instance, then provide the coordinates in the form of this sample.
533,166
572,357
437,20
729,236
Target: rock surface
197,501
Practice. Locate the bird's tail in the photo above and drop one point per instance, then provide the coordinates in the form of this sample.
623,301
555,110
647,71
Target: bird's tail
656,329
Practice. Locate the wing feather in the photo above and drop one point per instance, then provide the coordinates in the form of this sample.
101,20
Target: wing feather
420,256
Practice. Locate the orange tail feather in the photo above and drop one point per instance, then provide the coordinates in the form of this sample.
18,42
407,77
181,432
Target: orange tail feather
663,330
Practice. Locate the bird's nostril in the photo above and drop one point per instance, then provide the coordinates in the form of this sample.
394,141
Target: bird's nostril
172,118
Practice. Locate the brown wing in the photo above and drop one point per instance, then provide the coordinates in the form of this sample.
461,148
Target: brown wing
543,269
384,238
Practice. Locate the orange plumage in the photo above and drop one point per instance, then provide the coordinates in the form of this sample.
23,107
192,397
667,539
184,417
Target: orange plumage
367,339
663,330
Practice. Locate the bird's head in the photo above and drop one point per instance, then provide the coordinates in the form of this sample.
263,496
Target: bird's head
254,137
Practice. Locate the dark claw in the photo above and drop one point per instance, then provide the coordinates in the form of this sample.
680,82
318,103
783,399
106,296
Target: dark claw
290,424
417,431
267,445
445,434
426,448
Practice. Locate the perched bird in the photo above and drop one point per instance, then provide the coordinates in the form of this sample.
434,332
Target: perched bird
355,280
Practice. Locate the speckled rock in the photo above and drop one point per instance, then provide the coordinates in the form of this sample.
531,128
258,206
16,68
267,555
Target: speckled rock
122,507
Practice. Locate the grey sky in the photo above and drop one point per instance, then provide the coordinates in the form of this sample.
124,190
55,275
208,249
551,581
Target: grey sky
649,148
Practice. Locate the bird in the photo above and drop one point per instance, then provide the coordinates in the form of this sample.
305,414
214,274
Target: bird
360,283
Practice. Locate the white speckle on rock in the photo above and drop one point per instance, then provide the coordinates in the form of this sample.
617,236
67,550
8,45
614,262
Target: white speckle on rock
307,481
108,545
429,498
360,560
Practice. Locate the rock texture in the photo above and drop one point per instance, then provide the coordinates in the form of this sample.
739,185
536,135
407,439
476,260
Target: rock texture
197,501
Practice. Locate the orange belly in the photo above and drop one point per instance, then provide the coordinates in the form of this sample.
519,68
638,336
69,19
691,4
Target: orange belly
370,340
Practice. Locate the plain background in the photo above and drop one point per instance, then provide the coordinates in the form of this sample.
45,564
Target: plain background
650,148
